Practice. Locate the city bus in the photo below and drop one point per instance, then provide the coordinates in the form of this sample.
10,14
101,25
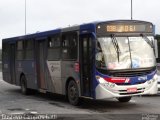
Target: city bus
99,60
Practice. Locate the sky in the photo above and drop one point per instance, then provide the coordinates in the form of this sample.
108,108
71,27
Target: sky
45,15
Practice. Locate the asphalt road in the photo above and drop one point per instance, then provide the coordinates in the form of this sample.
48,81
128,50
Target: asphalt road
139,108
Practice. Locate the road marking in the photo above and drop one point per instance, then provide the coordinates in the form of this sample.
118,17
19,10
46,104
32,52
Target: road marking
17,113
33,112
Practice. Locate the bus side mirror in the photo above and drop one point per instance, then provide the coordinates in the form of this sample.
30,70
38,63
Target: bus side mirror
156,48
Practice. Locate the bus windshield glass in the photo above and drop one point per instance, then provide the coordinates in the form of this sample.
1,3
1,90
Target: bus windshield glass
115,53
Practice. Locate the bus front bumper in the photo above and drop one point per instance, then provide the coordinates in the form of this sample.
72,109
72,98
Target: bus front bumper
148,88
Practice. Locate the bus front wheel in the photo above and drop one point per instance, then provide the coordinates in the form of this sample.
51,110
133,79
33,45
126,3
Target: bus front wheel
124,99
24,88
73,93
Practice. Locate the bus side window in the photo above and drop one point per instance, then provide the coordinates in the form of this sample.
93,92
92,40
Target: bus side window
29,46
5,51
69,46
65,42
54,48
19,50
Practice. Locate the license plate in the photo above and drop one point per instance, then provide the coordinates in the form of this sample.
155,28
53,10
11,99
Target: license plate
131,90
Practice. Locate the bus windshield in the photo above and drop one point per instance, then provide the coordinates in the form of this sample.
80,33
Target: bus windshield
124,53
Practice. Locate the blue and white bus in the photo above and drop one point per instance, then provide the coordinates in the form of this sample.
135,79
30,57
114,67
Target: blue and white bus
100,60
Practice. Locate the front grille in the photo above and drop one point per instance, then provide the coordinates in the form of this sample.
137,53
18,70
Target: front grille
127,73
140,82
132,73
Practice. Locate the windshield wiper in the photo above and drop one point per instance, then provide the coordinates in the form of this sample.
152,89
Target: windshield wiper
147,40
130,52
116,46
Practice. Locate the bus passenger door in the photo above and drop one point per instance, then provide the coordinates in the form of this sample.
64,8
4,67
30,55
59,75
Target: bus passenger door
40,60
86,63
12,63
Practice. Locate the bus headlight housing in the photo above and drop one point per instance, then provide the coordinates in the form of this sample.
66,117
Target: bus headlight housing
149,82
105,83
152,80
101,80
112,85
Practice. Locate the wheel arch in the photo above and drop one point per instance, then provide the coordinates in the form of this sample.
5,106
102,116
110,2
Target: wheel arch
22,74
74,92
67,82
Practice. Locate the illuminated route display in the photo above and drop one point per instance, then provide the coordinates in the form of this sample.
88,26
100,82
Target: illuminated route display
124,28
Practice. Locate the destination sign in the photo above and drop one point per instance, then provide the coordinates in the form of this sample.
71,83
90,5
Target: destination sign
124,28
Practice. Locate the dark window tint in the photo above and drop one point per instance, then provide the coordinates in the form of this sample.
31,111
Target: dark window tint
20,50
54,42
29,44
54,48
54,54
69,45
29,49
29,54
20,45
19,55
5,51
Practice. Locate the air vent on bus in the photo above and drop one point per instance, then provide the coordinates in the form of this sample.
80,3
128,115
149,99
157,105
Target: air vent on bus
140,82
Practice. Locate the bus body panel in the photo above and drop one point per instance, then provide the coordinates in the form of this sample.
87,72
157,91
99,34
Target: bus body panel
69,73
8,62
6,72
29,72
54,68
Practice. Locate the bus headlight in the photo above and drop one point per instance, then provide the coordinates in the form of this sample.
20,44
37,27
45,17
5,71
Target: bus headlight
101,80
154,79
149,82
105,83
112,85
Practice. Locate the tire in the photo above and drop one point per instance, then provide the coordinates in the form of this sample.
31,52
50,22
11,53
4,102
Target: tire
24,88
124,99
73,93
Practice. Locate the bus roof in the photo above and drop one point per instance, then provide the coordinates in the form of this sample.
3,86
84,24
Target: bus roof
87,27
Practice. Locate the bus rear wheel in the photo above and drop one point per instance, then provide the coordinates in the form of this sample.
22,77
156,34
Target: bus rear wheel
124,99
24,88
73,93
